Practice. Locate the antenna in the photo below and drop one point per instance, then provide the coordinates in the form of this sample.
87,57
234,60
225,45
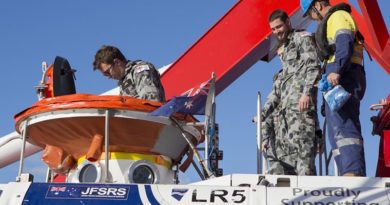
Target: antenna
40,88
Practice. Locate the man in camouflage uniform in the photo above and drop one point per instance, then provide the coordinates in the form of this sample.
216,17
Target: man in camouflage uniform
295,105
137,79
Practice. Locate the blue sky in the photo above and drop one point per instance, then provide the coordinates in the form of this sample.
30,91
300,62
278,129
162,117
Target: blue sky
156,31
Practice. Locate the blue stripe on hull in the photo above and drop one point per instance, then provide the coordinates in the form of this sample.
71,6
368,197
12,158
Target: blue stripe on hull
149,194
88,194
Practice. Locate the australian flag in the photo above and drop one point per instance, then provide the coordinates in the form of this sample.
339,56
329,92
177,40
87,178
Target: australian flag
191,102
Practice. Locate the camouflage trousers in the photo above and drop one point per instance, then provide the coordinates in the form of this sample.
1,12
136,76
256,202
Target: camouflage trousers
293,150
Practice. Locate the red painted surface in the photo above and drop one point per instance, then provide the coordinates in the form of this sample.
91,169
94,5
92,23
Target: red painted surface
59,178
240,38
382,127
236,42
381,169
372,13
386,139
383,166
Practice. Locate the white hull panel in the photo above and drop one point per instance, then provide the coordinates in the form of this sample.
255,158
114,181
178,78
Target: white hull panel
230,189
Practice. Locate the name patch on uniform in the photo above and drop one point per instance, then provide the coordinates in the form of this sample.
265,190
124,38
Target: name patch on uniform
305,34
141,68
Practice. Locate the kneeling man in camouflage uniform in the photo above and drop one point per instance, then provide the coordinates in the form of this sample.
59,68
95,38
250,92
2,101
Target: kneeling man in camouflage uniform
294,105
137,79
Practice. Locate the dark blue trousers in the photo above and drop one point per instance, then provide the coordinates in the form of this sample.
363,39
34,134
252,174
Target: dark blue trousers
344,130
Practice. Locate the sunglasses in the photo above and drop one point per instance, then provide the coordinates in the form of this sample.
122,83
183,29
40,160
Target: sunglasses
107,72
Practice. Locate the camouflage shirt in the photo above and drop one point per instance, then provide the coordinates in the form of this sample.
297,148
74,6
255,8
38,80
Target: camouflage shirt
142,81
301,71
